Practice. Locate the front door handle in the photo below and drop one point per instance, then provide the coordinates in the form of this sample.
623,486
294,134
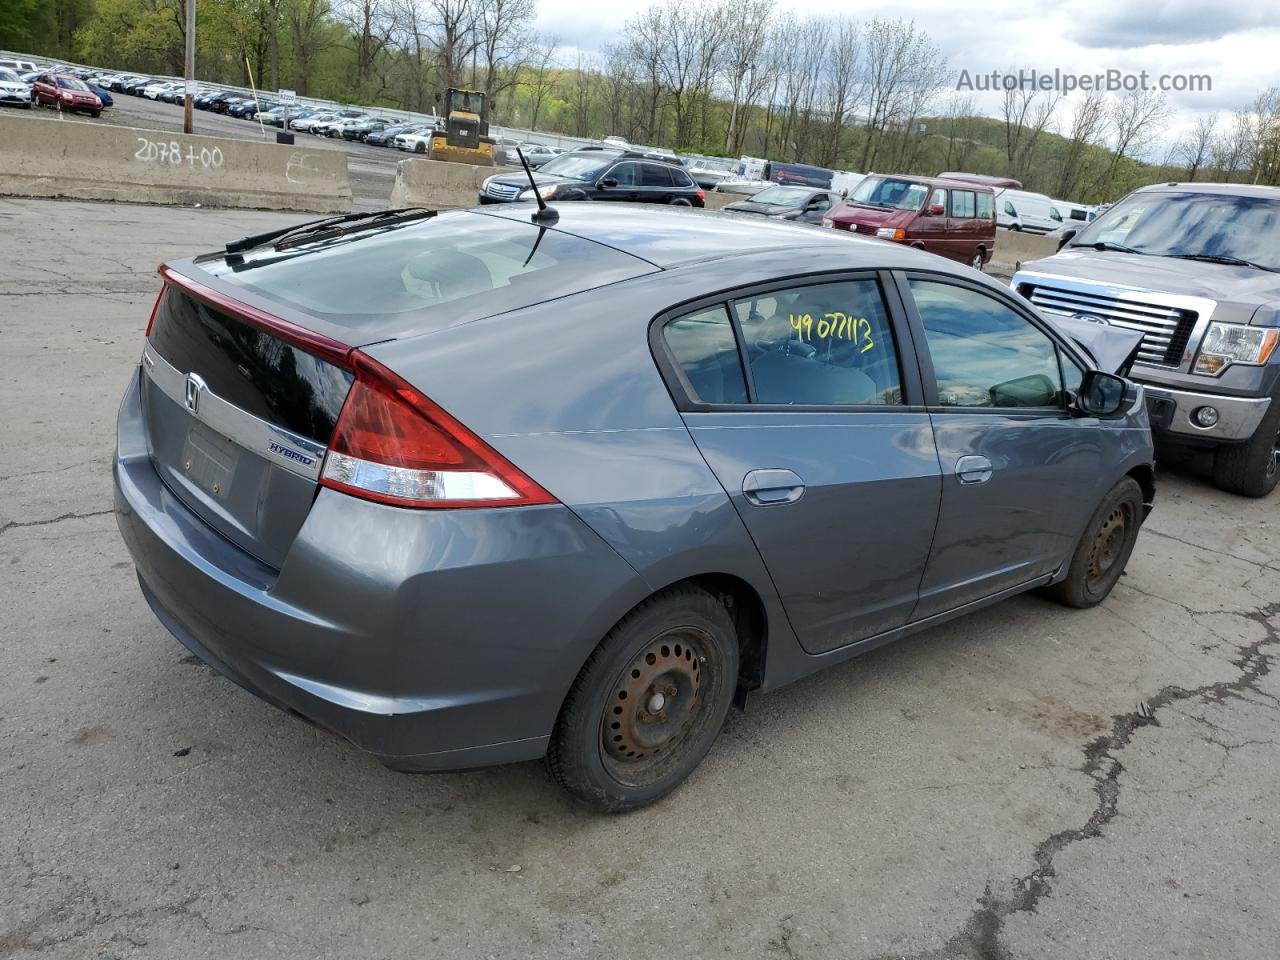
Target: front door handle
973,469
768,487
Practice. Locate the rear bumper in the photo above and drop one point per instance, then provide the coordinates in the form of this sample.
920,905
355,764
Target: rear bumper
434,639
1171,414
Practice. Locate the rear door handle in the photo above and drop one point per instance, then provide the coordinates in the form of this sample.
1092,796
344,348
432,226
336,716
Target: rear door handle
768,487
973,469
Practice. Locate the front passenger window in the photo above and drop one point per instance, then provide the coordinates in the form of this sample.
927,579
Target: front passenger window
985,354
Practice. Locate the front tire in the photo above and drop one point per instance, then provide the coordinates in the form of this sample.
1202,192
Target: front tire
1104,549
648,703
978,260
1252,468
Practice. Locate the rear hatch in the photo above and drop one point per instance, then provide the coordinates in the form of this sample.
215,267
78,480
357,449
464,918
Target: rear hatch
248,360
238,420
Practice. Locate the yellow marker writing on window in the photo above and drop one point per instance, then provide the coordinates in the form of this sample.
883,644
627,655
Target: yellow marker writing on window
834,325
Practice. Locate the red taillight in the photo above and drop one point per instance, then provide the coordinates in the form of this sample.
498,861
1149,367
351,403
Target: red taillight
395,446
702,194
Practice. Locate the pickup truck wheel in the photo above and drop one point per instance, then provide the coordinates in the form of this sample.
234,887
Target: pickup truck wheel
648,703
1104,549
1252,468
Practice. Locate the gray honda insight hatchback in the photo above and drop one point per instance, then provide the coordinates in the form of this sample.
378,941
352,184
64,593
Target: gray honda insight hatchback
477,487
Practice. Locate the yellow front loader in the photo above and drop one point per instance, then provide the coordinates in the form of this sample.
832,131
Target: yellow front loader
465,138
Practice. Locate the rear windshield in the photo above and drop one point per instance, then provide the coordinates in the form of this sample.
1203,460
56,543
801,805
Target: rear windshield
477,265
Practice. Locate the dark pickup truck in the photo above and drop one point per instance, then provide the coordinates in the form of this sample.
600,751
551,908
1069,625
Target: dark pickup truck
1195,268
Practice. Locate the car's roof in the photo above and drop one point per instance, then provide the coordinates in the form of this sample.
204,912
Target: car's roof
1222,189
675,236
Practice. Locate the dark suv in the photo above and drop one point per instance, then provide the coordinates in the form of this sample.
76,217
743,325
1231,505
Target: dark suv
600,173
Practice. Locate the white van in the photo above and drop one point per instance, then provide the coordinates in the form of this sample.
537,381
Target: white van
1021,210
19,66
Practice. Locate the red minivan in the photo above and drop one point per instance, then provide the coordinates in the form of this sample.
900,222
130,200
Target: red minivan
947,217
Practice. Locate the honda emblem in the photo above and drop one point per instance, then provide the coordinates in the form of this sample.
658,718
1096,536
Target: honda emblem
195,387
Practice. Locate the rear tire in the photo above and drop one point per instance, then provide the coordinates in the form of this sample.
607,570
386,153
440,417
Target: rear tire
649,702
1104,548
419,148
1252,468
978,260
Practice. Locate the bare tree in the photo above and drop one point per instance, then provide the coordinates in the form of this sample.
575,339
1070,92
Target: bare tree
958,128
1088,126
1194,149
540,71
1136,118
504,27
746,25
1027,114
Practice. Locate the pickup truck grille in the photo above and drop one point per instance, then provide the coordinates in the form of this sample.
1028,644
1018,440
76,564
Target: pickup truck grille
1166,330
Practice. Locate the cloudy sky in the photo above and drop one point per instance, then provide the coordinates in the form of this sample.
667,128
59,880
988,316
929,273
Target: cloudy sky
1236,42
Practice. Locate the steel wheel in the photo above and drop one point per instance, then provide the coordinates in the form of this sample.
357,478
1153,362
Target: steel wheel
1109,544
655,702
977,261
648,703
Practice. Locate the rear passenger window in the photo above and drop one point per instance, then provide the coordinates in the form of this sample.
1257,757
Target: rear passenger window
986,206
703,346
963,204
654,175
823,344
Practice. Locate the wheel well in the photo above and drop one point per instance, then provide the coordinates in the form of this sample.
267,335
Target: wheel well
1146,478
747,610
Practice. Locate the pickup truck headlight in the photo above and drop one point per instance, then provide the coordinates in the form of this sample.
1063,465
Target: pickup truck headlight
546,192
1228,343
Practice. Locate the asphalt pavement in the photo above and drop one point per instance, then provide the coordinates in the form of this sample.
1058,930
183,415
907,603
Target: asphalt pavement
1026,783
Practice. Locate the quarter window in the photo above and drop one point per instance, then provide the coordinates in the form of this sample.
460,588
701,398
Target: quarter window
986,206
703,346
822,344
984,353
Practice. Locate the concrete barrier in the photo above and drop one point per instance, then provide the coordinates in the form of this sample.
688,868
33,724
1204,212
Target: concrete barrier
438,185
1015,246
42,157
716,201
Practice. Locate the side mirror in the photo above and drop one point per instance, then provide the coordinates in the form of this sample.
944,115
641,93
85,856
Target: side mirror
936,210
606,183
1067,235
1102,395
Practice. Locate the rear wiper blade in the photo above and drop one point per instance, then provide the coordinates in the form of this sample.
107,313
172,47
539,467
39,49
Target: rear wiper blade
1221,258
387,218
315,226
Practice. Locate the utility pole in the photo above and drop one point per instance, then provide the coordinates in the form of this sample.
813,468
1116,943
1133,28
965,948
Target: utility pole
188,125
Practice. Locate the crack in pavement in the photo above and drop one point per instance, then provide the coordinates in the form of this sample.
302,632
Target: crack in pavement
11,524
980,936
